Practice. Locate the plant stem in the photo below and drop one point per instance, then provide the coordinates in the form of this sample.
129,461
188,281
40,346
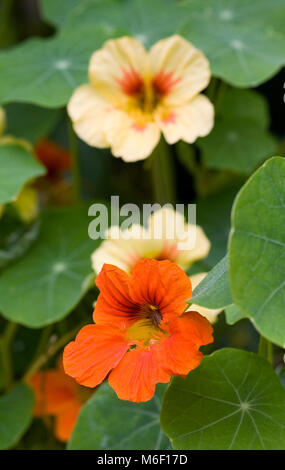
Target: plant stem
51,351
73,147
162,168
265,349
212,89
6,342
219,98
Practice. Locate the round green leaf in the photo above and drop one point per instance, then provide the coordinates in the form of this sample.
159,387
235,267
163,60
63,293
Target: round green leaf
233,314
146,20
50,69
105,422
16,413
257,250
17,243
214,291
239,140
47,283
17,166
56,12
233,400
237,145
30,122
244,41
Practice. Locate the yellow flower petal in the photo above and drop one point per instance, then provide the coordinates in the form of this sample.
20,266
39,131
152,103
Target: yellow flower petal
129,138
210,314
27,204
88,112
118,68
180,69
195,119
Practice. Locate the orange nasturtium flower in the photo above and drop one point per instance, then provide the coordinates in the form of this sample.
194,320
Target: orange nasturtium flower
59,396
55,158
141,336
134,95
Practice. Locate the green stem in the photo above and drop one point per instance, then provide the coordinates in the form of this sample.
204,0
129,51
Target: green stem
6,13
265,349
219,98
44,340
73,147
6,342
212,89
281,148
162,168
51,351
186,155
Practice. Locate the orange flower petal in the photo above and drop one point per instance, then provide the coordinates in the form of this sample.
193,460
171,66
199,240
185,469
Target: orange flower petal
54,391
114,304
161,283
96,350
135,377
179,352
54,157
65,422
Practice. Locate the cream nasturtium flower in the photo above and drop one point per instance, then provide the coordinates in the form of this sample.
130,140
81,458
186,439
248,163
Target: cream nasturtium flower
125,251
210,314
134,95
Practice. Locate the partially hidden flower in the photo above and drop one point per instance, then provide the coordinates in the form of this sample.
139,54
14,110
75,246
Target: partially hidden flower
210,314
54,157
141,335
169,225
134,95
27,204
59,396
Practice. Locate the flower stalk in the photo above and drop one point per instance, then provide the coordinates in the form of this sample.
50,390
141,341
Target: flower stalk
6,342
265,349
73,147
162,168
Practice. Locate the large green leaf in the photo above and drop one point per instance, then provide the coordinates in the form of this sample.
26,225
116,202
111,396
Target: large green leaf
147,20
16,413
30,122
233,400
244,40
50,69
214,291
233,314
105,422
257,250
56,12
17,166
17,243
240,140
47,283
